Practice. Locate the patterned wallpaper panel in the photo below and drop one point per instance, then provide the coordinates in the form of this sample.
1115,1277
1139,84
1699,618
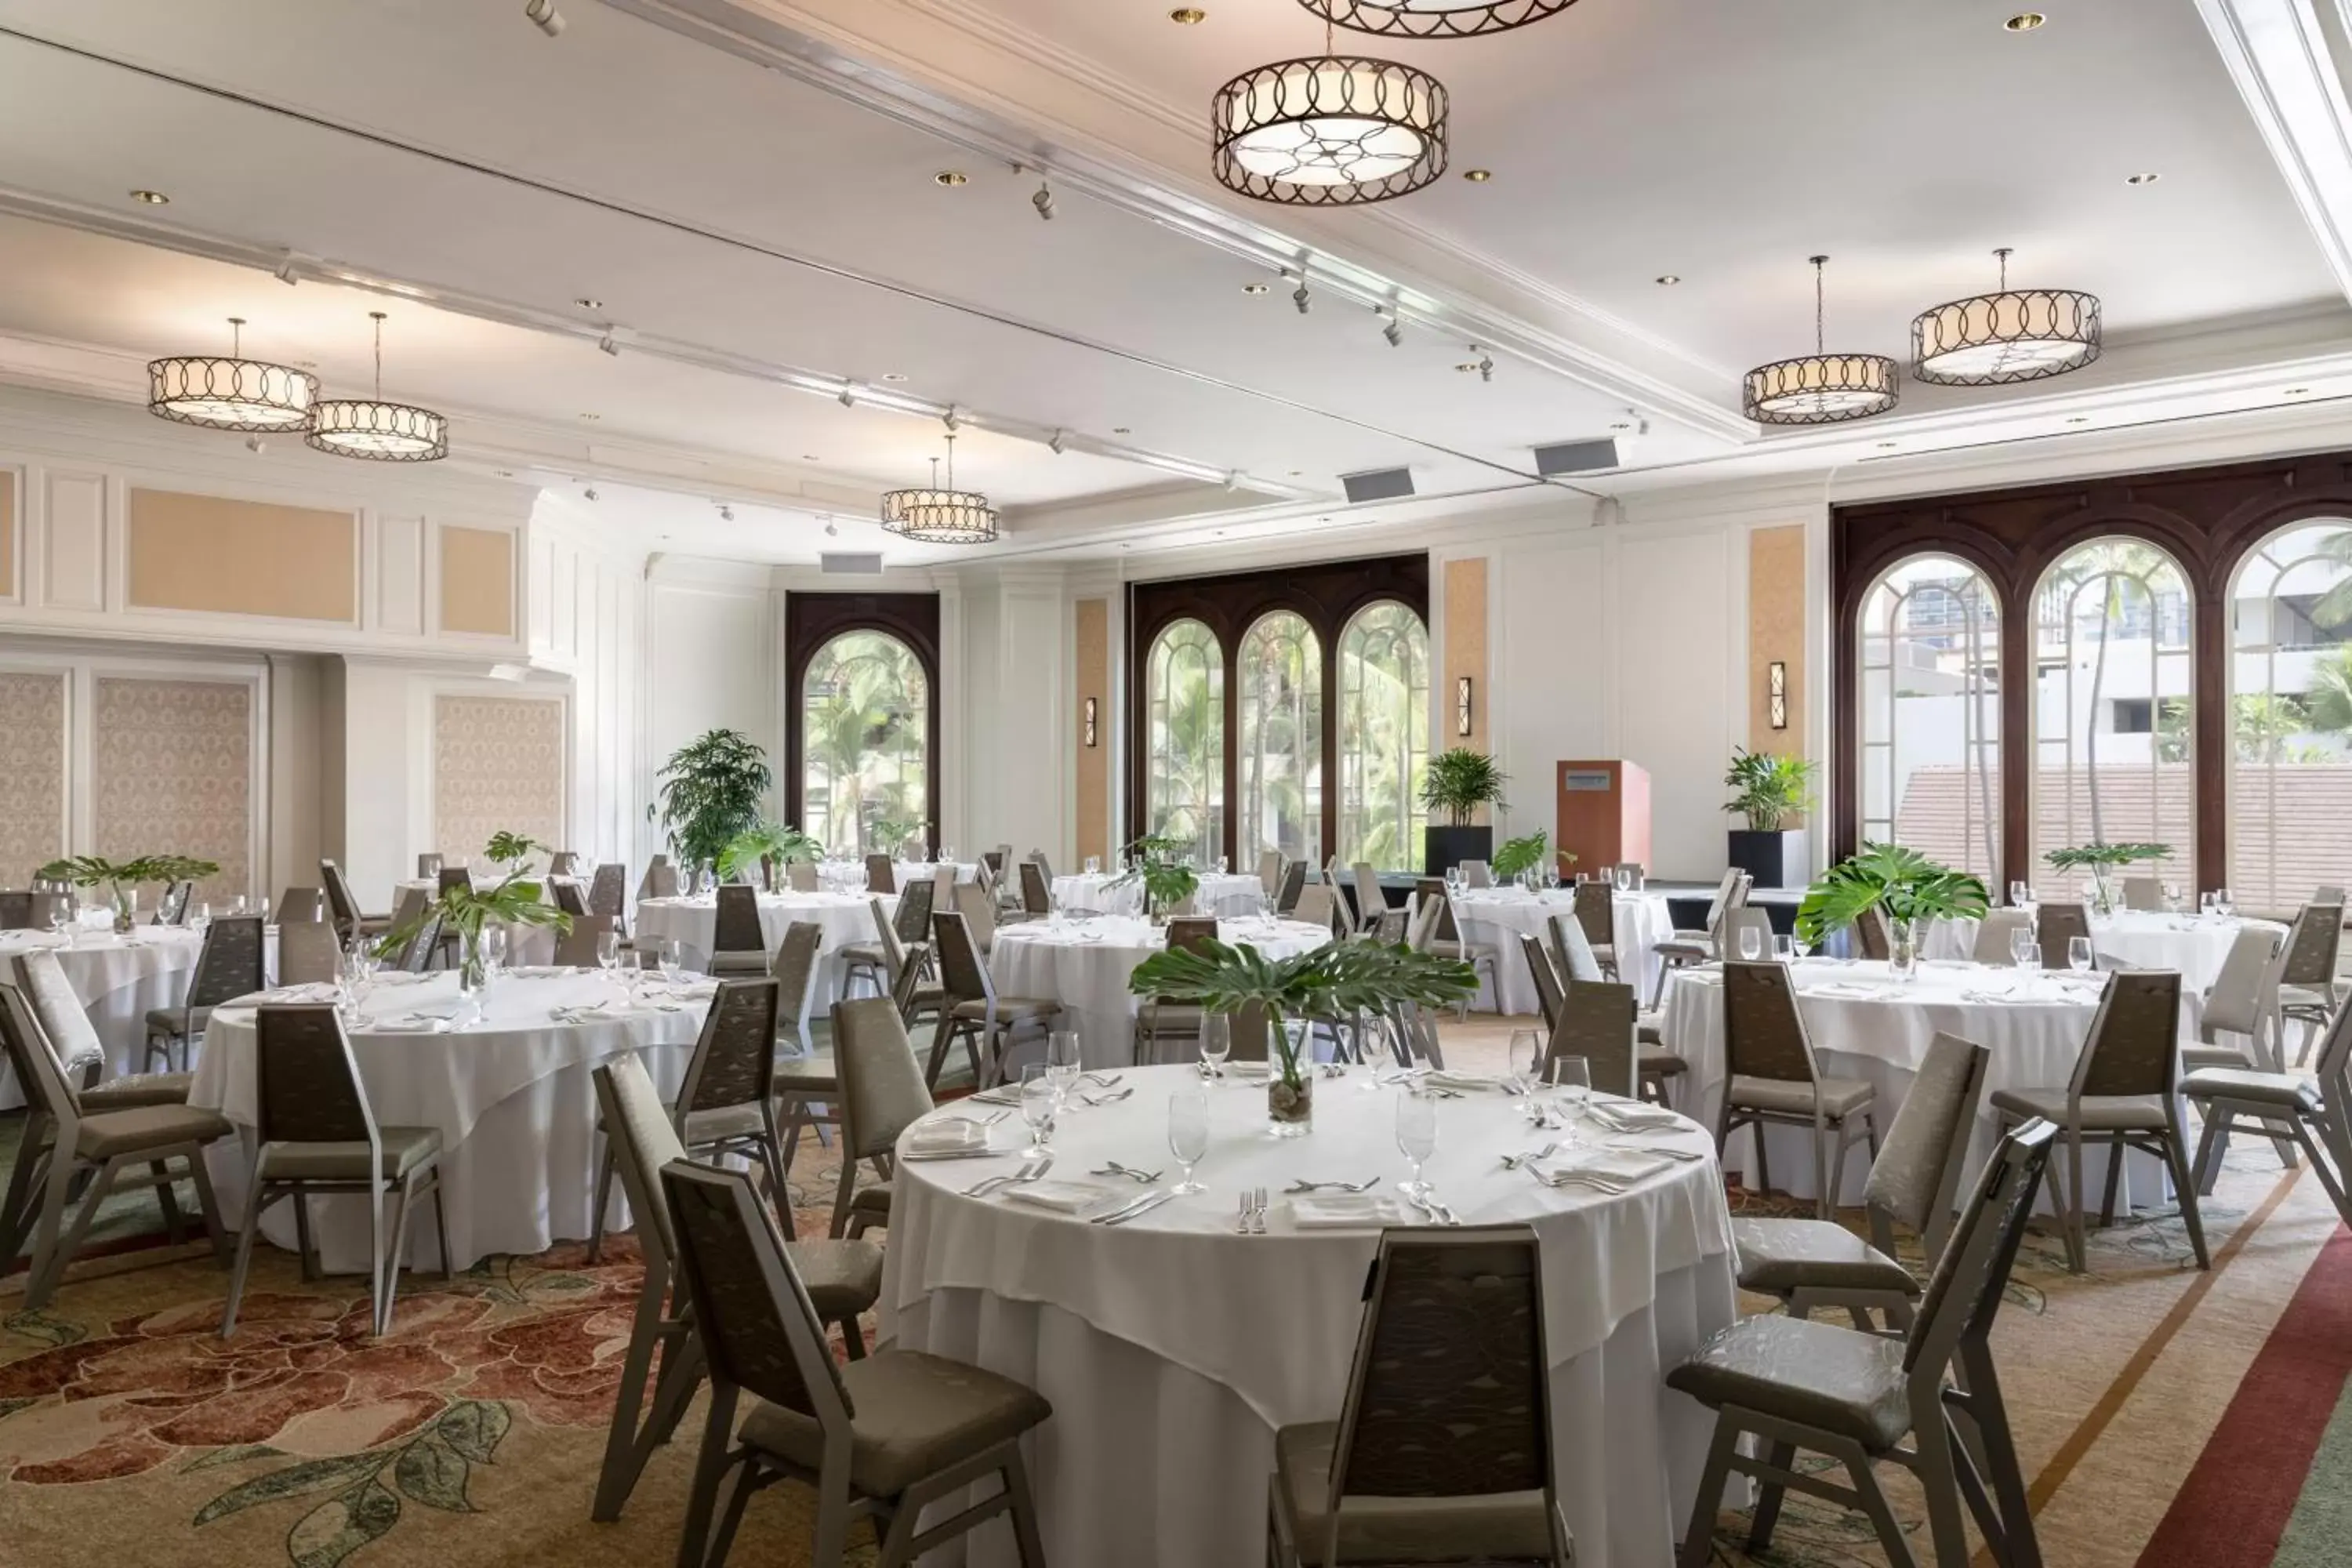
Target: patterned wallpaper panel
172,764
498,763
32,773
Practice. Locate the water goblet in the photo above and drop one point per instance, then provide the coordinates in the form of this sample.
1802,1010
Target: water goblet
671,960
1574,1074
1527,1053
2078,955
1216,1042
494,947
2024,951
1094,865
1040,1099
1751,943
2223,903
608,953
1784,948
1188,1134
1062,1061
2019,895
1416,1135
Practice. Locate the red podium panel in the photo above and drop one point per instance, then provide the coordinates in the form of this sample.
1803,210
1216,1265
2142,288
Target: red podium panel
1604,813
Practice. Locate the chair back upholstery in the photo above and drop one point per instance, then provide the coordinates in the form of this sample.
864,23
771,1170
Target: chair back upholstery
2334,1069
1742,919
1293,882
751,1315
793,969
1251,1034
1477,874
661,879
1576,960
2060,924
298,905
1035,895
1596,912
1269,872
25,1047
307,1087
736,928
307,954
1044,867
1763,1034
32,910
1873,935
173,906
569,897
608,896
563,863
576,948
1450,1394
979,915
342,907
734,1060
914,917
62,1017
418,956
1187,932
1314,905
636,1126
230,962
1370,898
999,857
962,976
429,867
880,878
2326,893
1971,1275
1916,1177
1421,924
882,1092
1995,932
942,885
1725,898
2236,1002
2132,1047
2310,946
1547,978
2143,892
1596,1022
450,876
801,876
895,953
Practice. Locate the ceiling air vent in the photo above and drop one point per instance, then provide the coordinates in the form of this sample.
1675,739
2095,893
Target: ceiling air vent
1377,484
845,564
1575,457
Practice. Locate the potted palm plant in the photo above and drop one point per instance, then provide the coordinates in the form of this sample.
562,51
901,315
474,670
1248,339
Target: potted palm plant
120,878
1455,784
711,790
1911,889
1338,980
1768,791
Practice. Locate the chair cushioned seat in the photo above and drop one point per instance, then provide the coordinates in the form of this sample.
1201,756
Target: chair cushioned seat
126,1131
843,1278
722,1122
1649,1028
2305,996
1838,1379
1778,1255
1464,952
137,1089
2284,1090
2195,1057
1696,951
861,953
806,1076
1171,1017
917,1414
751,964
405,1150
872,1199
1663,1064
1840,1096
1009,1007
1508,1527
171,1020
2101,1112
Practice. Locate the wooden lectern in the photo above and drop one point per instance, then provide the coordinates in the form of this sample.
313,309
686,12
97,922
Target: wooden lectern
1604,813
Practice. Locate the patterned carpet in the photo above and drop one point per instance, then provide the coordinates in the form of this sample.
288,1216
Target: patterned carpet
2164,1417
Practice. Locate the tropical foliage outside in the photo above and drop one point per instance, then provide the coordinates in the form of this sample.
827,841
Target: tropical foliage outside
1281,761
864,728
1383,736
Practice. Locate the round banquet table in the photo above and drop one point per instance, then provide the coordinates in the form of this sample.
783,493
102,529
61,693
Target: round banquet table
512,1096
1085,964
906,871
526,944
1498,917
2195,944
1865,1024
117,979
1171,1348
847,918
1226,894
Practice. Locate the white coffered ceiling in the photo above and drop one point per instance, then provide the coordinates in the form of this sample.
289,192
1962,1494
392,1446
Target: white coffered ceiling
745,187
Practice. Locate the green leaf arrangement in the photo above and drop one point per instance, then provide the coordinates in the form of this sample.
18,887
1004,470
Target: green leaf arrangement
1907,885
93,870
1333,981
710,790
1768,789
1458,781
1159,865
1520,855
890,832
767,842
2082,856
510,849
465,910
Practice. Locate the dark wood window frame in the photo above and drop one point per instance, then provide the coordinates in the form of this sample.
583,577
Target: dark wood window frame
812,620
2206,519
1326,596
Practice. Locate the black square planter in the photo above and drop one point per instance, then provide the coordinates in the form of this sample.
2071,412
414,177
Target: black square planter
1442,848
1775,859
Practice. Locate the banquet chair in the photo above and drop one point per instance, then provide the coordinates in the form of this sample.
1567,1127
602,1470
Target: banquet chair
1294,883
899,1437
342,906
429,867
569,897
1810,1265
307,954
173,906
988,1025
302,906
70,1145
1659,1067
807,1084
1163,1018
726,1105
1036,891
1778,1384
911,928
1995,933
2123,1091
1477,874
314,1132
423,947
1702,946
660,880
1442,1452
881,877
2059,924
864,960
578,947
1445,940
2307,982
1774,1079
1315,905
843,1279
1390,928
2239,1002
228,964
563,863
1371,902
29,910
1547,979
450,877
2288,1107
882,1095
1270,868
738,946
2143,892
1873,935
608,896
1596,1023
909,967
1044,867
1596,912
81,1055
801,876
1738,924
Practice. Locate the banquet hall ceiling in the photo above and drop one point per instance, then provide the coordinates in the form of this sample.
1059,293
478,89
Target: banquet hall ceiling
741,192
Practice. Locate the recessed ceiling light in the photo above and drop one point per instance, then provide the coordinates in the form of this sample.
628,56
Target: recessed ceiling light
2025,21
1668,279
585,303
1121,431
1620,425
1296,473
894,375
2296,391
1883,444
151,199
2147,179
811,458
1467,366
1253,288
1477,176
1188,15
2078,419
948,177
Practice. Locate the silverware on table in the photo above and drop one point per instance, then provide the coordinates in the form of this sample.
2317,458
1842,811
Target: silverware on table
1241,1219
1113,1168
1105,1079
1686,1156
1027,1172
1513,1161
1258,1213
1142,1206
1303,1185
1113,1098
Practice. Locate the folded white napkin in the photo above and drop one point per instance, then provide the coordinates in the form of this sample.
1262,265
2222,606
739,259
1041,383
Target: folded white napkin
1464,1080
1250,1070
1847,988
1631,1116
1347,1211
399,977
540,971
1003,1094
948,1135
1616,1164
407,1024
1062,1197
589,1012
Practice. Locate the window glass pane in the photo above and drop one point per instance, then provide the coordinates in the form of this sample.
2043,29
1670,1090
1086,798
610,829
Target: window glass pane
2291,716
864,709
1184,693
1383,736
1929,655
2112,710
1281,761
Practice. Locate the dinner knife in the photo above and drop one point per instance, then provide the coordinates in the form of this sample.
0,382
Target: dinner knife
1142,1206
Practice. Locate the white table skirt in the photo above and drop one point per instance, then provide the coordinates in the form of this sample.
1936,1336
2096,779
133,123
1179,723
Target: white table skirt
2194,945
513,1098
1498,917
1225,894
1085,965
847,918
907,871
116,981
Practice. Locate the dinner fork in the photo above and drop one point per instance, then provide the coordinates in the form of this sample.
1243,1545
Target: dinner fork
1241,1219
1028,1172
1258,1213
1303,1185
1113,1168
1513,1161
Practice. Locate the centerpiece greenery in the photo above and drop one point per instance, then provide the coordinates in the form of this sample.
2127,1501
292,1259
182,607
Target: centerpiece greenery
1454,785
464,910
1334,981
507,851
1768,789
1159,864
711,792
1906,885
2101,861
769,845
120,878
1519,855
890,834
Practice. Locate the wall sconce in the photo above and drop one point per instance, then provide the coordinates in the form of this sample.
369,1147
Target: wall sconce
1776,693
1461,706
1091,734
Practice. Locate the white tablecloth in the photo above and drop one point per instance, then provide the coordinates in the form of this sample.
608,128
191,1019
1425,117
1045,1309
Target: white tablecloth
1085,965
513,1098
1223,893
907,871
1171,1348
2194,945
117,979
847,918
1498,916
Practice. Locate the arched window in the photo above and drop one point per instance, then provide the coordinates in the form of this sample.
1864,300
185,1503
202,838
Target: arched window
1281,763
865,722
1184,693
1383,736
2291,715
2113,748
1928,658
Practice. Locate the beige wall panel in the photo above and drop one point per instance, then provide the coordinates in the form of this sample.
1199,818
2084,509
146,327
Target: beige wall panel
1776,631
477,580
1465,654
32,773
9,480
1092,667
172,773
498,763
229,557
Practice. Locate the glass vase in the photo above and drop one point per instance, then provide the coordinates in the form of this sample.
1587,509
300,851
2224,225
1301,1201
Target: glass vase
1290,1104
126,910
1903,949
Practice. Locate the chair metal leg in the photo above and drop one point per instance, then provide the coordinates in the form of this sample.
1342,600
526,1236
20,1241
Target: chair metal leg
618,1474
1781,1456
208,1205
16,1207
377,1262
2115,1180
1824,1198
311,1268
43,1282
844,1192
2209,1147
441,1225
2176,1147
603,1197
175,1229
2077,1250
398,1254
732,1518
1698,1540
717,1429
1763,1160
1938,1480
1881,1517
832,1518
1025,1513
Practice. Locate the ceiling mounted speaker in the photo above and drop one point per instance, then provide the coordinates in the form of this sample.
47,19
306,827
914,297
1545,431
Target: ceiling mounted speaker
1575,457
1377,484
847,563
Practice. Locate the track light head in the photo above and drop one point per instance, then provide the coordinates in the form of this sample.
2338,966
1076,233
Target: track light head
590,492
285,273
1394,332
1057,442
607,345
831,529
1301,297
848,396
1486,366
1044,201
255,445
726,512
544,16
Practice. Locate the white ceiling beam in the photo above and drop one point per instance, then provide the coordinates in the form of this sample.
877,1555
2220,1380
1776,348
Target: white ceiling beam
2287,68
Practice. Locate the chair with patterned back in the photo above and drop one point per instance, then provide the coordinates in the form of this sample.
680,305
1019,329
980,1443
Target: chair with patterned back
300,905
1703,946
881,876
608,895
342,906
313,1133
801,876
409,916
988,1024
1293,882
867,961
569,897
228,964
979,912
563,863
1547,979
1036,891
2313,1113
737,945
2239,1002
1997,935
660,880
15,911
882,1095
1269,872
173,906
1371,899
1315,905
2143,892
2123,1092
1774,1080
450,876
1574,955
1596,914
1160,1018
1873,936
307,954
581,947
429,867
807,1083
1045,866
1452,1343
1478,874
2307,987
2059,924
1596,1023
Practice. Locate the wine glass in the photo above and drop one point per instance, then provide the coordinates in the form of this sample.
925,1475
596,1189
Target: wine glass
1574,1074
200,920
2223,903
1784,948
1751,943
1094,865
494,947
1062,1059
1041,1098
1416,1135
2024,951
2172,897
1624,880
1188,1133
1216,1042
671,959
2078,955
1526,1058
608,953
2019,895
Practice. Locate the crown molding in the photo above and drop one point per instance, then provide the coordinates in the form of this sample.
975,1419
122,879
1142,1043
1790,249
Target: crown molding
2288,70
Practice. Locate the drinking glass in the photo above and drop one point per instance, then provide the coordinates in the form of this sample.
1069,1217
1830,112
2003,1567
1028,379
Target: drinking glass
671,960
1751,943
1527,1056
608,953
1784,948
1094,865
1416,1135
2172,897
947,855
2222,903
1574,1074
2023,950
1216,1042
494,946
1041,1098
1223,865
2078,955
1062,1059
1624,880
201,918
1188,1133
2019,895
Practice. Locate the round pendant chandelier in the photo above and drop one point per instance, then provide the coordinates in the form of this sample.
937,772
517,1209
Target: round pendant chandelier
1435,18
939,514
377,431
1328,131
232,394
2013,335
1820,388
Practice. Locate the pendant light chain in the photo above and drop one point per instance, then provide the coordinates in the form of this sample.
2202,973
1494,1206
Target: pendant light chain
377,316
1819,263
